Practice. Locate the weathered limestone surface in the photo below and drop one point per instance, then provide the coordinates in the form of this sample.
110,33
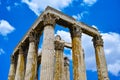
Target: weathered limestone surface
20,66
31,65
64,21
50,70
100,58
11,75
47,61
84,64
66,69
59,61
78,59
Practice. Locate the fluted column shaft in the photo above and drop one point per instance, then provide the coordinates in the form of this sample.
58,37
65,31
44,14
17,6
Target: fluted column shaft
100,58
59,61
47,61
11,74
20,65
84,65
66,69
78,59
31,65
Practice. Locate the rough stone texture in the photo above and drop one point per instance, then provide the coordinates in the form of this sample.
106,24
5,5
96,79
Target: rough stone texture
84,64
64,20
31,65
59,61
11,75
47,20
100,58
20,66
78,59
47,61
66,69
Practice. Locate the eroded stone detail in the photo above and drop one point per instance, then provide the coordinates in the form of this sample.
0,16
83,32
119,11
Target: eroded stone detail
34,37
100,58
97,41
77,56
66,68
50,19
47,61
11,75
31,66
50,70
75,31
59,60
20,65
59,45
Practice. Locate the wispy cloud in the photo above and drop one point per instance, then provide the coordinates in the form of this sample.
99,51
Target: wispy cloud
38,5
1,51
81,15
5,28
94,27
77,17
88,2
111,47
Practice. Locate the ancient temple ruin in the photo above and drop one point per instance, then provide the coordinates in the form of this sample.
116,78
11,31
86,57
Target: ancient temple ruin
25,60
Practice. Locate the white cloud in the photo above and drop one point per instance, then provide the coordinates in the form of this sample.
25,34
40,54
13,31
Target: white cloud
94,27
77,17
111,47
88,2
64,35
5,28
114,68
38,5
1,51
80,16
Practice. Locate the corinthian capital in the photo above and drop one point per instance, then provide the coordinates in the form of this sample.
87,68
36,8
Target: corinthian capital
34,36
21,47
50,19
97,41
59,45
75,31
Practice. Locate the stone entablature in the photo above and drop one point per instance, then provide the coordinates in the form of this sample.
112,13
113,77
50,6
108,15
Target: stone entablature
62,19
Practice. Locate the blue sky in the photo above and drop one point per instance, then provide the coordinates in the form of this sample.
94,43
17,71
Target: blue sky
17,16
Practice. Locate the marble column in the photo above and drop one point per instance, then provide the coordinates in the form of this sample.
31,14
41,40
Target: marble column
31,64
66,68
20,65
59,61
84,63
11,74
77,56
100,58
47,61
